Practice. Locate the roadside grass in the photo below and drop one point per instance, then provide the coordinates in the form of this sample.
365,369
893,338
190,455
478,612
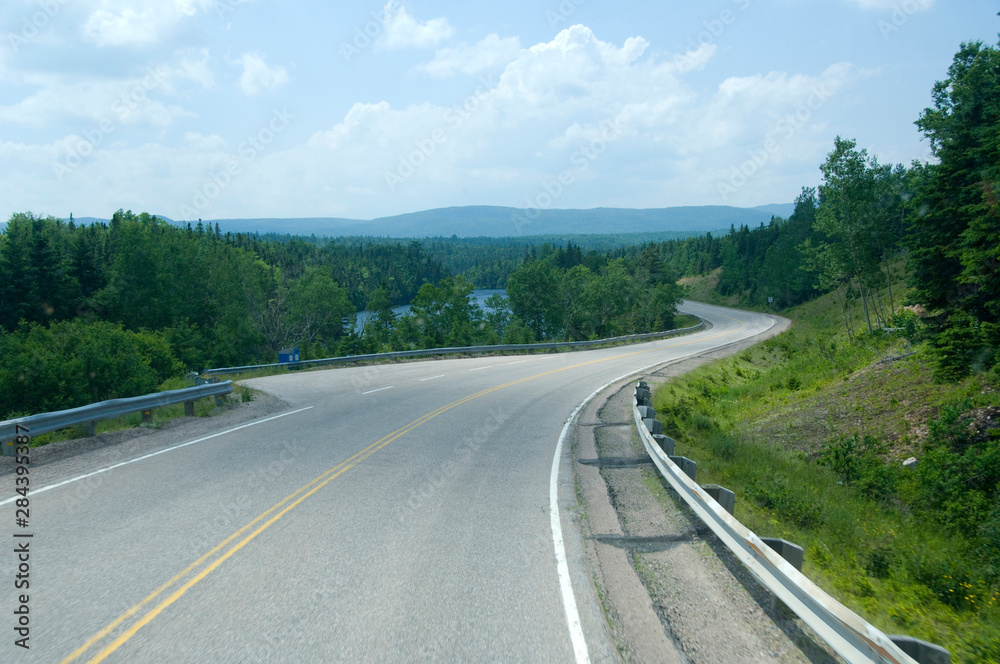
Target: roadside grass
701,288
760,423
685,320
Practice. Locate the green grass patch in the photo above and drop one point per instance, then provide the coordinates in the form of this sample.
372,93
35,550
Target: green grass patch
685,320
701,288
810,431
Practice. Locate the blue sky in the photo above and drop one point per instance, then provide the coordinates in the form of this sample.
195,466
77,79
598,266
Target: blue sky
285,108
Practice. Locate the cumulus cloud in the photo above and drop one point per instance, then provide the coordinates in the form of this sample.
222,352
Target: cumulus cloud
622,121
401,30
120,23
257,77
134,100
656,135
486,54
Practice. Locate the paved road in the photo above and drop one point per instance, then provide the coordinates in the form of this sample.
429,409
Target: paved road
394,513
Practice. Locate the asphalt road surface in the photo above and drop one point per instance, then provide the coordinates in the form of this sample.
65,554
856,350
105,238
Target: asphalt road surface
392,513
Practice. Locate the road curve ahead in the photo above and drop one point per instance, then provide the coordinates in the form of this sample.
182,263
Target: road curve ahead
393,513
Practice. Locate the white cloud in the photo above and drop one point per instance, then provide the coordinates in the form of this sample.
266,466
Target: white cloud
119,23
401,30
131,100
203,142
257,77
136,99
693,60
501,145
910,7
553,102
194,67
486,54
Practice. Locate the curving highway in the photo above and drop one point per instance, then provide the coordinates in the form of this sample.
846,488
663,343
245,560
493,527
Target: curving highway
392,513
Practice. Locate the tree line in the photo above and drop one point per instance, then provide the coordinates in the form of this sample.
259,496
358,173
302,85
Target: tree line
940,221
557,294
91,312
99,311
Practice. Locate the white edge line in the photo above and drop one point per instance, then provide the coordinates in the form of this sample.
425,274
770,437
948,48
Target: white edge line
378,390
580,651
432,377
153,454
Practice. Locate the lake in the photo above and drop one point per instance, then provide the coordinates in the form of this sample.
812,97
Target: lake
478,295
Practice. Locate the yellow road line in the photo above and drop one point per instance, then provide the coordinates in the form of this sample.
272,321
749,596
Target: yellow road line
292,501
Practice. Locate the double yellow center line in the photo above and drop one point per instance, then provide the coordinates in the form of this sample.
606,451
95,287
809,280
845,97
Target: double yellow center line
247,533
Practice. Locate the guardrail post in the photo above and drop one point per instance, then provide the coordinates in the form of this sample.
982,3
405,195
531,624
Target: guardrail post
642,396
8,448
922,651
147,416
189,409
666,443
653,426
793,553
647,413
723,496
91,428
687,466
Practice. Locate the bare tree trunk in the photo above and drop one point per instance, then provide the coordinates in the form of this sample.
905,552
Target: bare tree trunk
845,308
888,277
864,305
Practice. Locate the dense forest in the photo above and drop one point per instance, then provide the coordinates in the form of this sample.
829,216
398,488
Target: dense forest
100,311
487,262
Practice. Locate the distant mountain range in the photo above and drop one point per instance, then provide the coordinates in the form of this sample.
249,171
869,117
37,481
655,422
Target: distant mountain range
493,221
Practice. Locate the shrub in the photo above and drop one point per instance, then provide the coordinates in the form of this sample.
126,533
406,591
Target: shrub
74,363
957,346
860,462
958,476
777,496
878,561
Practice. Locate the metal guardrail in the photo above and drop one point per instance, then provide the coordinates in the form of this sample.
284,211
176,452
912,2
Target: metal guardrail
502,348
104,410
847,633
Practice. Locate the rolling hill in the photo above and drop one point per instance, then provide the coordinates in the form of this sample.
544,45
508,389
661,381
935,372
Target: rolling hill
495,221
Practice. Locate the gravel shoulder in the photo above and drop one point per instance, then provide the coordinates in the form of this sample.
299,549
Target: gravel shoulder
671,591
